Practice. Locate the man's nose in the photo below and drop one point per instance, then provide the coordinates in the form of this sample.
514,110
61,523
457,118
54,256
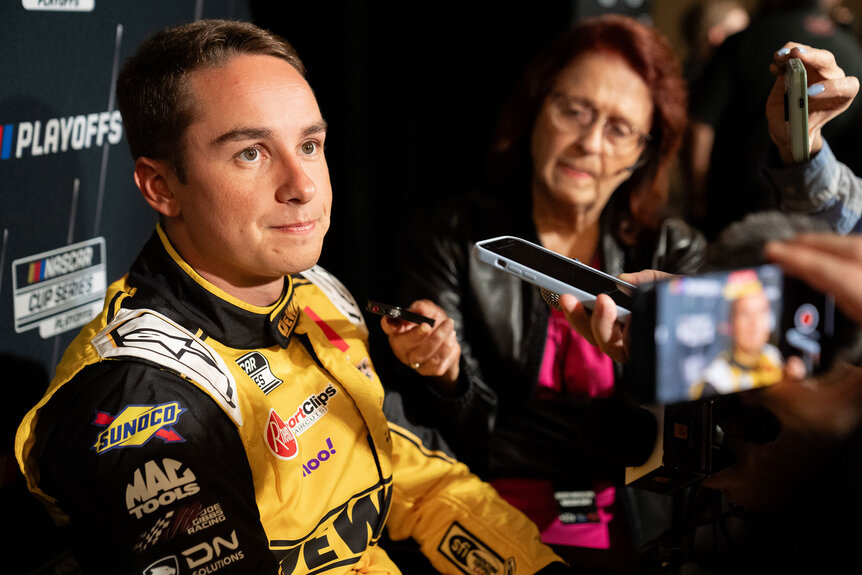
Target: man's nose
294,184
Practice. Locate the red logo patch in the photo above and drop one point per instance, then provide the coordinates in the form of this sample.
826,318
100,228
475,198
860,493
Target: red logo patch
280,439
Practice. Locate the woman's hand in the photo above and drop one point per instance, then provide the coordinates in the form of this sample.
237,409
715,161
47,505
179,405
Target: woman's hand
830,92
430,351
829,263
601,327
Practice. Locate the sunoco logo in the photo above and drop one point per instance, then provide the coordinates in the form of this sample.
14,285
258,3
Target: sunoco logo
136,425
57,135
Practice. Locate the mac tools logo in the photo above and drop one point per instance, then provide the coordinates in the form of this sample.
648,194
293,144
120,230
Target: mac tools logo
58,135
158,484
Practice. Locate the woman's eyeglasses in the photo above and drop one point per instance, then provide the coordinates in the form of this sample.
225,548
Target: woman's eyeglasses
576,116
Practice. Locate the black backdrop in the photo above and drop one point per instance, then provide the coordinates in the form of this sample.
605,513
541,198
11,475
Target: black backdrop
411,94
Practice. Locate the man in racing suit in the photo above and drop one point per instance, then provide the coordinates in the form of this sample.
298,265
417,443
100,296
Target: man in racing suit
221,415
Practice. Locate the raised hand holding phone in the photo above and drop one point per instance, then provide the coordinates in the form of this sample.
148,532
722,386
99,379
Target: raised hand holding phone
829,93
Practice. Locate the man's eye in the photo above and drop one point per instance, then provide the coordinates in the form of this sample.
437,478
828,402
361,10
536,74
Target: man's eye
250,155
309,148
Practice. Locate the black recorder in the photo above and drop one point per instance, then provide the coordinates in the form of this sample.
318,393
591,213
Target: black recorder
698,342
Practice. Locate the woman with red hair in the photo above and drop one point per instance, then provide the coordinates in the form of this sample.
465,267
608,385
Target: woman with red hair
580,166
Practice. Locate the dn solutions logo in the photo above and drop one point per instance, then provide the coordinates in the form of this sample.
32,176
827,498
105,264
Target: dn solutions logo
58,135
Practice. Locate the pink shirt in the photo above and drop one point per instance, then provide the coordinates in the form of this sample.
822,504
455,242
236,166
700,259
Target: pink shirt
570,365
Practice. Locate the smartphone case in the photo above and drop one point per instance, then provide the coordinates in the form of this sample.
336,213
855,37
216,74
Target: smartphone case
552,271
796,108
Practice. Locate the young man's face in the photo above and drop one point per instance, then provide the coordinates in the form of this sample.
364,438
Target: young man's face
750,321
256,202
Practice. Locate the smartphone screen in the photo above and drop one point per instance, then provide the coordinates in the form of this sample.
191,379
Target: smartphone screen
552,271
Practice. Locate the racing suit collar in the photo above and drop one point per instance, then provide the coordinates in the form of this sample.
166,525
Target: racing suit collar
167,283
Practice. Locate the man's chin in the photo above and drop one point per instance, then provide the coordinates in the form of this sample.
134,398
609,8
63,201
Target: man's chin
300,264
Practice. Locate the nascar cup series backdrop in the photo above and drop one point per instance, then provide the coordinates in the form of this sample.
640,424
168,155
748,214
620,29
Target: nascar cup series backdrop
71,220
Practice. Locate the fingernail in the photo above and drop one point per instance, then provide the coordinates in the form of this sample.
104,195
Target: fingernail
424,328
783,52
801,49
815,89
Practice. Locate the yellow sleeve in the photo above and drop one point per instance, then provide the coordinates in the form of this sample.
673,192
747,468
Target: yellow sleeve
460,522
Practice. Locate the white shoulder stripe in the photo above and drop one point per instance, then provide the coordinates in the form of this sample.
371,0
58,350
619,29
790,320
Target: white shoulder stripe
149,335
337,293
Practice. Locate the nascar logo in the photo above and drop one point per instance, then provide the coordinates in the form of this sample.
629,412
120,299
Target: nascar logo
256,366
61,264
136,425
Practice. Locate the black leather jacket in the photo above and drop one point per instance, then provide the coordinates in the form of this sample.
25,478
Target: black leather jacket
492,422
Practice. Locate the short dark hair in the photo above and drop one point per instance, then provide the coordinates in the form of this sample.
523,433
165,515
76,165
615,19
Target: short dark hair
649,54
152,88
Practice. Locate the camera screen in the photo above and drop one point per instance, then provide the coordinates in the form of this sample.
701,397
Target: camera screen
725,332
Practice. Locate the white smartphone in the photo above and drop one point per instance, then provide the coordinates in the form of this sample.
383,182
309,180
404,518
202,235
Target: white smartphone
796,108
554,272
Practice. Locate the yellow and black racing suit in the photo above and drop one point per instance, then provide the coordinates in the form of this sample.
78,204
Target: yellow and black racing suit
186,431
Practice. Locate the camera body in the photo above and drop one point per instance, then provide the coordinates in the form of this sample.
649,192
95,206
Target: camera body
695,440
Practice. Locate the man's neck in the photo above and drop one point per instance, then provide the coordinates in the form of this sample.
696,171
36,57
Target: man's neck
258,291
261,295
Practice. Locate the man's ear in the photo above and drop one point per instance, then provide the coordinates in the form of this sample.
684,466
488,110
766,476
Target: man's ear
152,178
